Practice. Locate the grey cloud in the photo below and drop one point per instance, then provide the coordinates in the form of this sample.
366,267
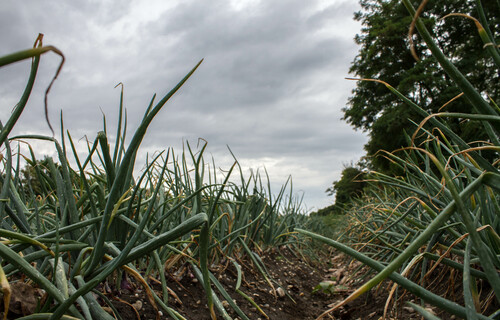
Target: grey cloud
271,86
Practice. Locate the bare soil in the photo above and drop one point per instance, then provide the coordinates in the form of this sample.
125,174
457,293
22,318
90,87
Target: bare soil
296,275
292,295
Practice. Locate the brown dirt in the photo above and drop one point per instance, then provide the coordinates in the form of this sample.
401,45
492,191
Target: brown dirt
295,274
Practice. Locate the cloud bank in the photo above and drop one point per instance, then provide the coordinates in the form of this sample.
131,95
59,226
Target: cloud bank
271,86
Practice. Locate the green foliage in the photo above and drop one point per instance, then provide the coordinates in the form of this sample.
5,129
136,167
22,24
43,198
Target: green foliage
331,224
350,186
35,175
324,211
329,287
68,230
443,210
385,55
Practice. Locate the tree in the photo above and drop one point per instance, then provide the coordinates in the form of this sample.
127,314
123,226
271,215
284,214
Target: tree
385,55
35,175
350,185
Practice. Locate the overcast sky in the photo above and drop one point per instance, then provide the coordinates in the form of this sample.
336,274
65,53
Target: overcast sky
271,86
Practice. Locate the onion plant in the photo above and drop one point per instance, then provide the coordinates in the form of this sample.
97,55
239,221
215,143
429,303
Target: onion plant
71,225
444,211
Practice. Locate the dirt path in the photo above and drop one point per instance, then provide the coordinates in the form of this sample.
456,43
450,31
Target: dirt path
297,277
295,293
